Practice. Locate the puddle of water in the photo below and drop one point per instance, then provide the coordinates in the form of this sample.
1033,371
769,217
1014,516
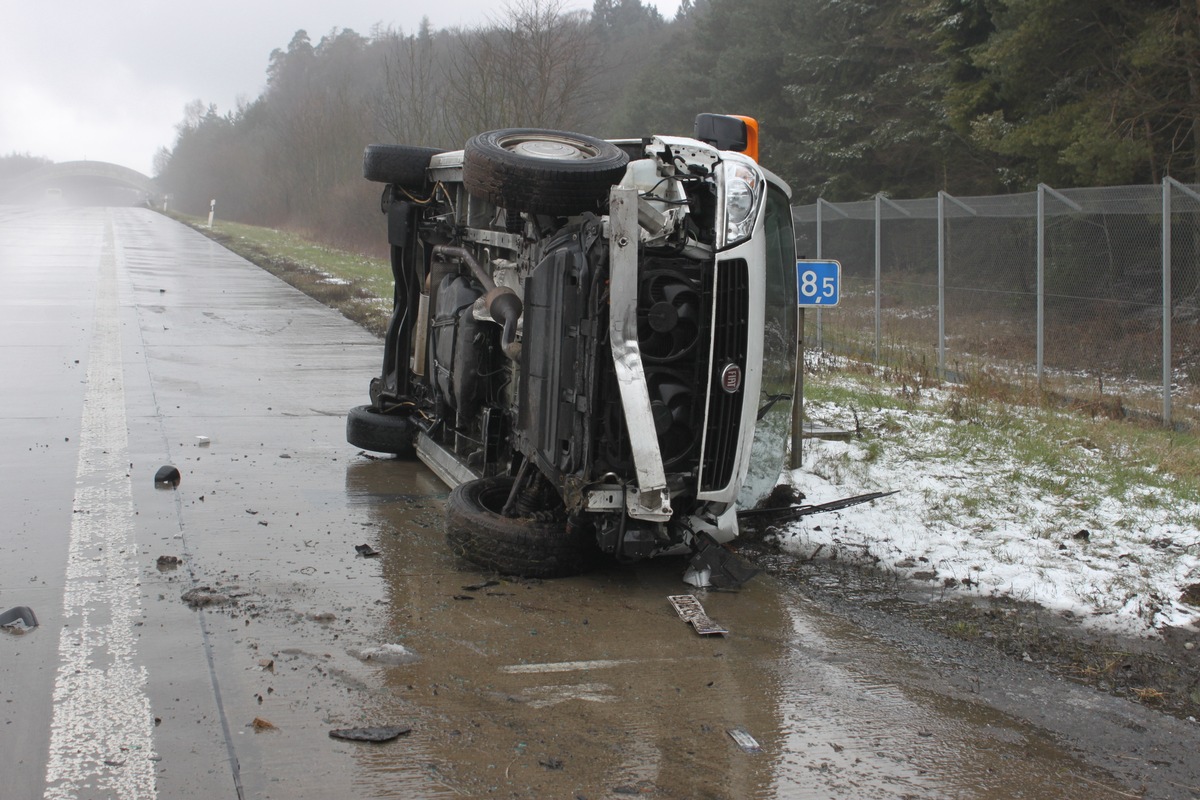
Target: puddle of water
592,685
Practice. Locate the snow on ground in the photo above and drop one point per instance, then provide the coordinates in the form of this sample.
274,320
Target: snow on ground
973,516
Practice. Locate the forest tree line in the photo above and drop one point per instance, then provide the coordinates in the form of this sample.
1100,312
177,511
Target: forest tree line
854,97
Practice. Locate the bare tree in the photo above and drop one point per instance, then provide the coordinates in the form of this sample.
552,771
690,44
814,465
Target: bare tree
539,67
407,103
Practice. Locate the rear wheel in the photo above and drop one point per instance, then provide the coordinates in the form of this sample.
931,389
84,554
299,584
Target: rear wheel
380,433
542,171
531,547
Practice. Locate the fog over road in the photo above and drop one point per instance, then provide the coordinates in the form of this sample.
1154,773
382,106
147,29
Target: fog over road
125,337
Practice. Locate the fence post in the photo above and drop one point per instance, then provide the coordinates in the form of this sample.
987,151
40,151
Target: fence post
1166,301
1042,191
1041,278
878,268
820,255
797,454
879,201
941,220
1169,185
941,248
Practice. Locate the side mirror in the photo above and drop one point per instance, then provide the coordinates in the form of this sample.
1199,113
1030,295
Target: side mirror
727,132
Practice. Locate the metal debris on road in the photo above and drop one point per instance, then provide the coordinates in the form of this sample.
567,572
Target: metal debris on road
383,733
690,611
791,513
18,619
744,740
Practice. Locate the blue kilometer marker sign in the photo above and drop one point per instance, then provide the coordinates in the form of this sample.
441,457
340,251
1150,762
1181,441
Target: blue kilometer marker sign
818,283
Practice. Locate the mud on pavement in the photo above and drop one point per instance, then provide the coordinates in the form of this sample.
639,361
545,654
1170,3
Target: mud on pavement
1161,673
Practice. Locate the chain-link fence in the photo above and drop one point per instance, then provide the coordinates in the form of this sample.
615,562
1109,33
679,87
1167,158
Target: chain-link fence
1092,293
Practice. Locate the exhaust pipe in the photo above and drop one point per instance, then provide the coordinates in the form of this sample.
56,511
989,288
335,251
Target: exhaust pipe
501,302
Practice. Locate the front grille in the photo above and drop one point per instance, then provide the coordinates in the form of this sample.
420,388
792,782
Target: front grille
730,320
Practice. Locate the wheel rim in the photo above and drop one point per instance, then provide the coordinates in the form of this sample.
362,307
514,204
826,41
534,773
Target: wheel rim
493,497
551,148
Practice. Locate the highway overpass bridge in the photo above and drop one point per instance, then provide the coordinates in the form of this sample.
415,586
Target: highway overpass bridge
81,182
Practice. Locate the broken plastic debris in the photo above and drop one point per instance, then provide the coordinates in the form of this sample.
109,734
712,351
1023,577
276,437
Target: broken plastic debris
166,476
744,740
700,578
386,654
383,733
690,611
717,566
19,619
203,441
366,551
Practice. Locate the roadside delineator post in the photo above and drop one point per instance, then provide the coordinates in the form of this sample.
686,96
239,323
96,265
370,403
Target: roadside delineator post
212,209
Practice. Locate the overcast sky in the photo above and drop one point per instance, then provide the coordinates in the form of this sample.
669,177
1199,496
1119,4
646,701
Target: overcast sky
107,80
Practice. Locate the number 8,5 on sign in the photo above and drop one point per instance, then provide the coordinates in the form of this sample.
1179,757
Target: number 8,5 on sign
818,283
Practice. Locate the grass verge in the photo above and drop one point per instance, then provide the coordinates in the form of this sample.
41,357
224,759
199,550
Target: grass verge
358,286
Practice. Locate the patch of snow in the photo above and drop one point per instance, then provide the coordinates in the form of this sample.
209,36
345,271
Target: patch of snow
982,521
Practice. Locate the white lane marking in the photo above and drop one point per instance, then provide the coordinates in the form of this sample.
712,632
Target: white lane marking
101,737
566,666
547,696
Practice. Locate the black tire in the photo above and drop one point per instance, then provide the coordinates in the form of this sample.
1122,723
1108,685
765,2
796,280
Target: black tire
542,171
399,164
380,433
530,548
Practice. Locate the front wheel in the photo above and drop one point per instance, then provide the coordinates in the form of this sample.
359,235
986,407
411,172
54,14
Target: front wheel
533,548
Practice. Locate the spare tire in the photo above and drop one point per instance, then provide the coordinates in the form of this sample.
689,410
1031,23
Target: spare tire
542,171
524,546
399,164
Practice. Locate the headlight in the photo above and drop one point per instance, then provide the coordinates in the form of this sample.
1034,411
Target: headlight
742,193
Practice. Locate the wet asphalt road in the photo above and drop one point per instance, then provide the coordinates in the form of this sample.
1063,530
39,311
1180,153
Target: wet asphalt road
124,337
